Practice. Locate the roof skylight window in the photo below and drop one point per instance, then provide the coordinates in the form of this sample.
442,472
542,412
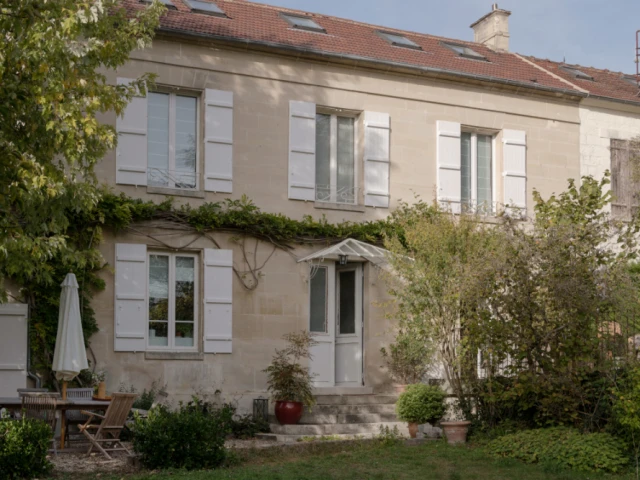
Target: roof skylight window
208,8
303,23
464,51
399,40
166,3
576,73
632,79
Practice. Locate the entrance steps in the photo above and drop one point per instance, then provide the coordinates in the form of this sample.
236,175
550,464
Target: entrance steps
337,417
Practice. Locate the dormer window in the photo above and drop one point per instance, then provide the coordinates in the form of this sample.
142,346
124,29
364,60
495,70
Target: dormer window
399,40
303,23
576,73
208,8
632,79
464,51
166,3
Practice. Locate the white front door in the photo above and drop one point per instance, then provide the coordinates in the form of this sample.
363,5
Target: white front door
335,322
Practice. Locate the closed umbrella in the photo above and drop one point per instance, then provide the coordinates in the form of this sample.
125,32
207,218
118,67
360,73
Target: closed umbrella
70,356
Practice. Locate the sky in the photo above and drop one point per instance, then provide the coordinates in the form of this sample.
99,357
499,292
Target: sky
594,33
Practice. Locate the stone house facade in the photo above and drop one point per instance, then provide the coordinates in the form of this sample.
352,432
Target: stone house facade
304,115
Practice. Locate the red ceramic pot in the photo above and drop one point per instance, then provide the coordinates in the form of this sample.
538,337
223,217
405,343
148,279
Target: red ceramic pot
288,413
413,430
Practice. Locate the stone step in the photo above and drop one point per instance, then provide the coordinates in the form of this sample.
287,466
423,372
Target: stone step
329,418
276,437
352,409
337,428
355,399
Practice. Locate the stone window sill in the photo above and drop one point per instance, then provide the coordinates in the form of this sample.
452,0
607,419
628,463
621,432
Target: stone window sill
345,207
173,356
177,192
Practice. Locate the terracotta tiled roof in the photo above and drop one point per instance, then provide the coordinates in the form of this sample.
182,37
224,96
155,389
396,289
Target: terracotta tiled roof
253,22
605,83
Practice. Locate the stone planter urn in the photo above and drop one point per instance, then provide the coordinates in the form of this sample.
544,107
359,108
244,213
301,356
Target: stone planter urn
455,431
413,430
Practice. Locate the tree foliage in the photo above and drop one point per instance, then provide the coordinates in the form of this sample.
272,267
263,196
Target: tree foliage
531,318
53,87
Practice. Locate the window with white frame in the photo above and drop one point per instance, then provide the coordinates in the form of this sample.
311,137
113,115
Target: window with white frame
336,180
172,297
172,140
476,172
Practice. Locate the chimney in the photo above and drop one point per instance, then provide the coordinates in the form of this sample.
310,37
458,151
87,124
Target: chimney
492,30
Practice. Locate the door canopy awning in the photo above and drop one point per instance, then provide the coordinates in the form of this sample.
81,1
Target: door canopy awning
350,250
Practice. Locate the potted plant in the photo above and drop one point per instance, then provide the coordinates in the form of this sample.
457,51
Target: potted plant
288,381
98,384
407,359
419,404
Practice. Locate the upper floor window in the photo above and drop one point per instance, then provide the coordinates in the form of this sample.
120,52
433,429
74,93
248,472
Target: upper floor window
335,159
476,172
172,300
399,40
303,23
172,140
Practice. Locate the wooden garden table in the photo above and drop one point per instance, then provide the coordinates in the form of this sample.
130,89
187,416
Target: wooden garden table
15,403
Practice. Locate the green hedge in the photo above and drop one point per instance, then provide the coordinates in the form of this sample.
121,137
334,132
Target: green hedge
191,437
591,452
23,448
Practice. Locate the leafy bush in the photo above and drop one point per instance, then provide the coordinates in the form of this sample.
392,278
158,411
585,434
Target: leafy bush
408,357
23,448
191,437
145,399
287,379
421,403
567,447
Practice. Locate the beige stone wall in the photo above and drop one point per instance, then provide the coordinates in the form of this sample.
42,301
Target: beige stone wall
263,85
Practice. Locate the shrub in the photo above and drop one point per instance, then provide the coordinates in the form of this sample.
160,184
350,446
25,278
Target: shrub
421,403
287,379
23,448
245,426
408,358
191,437
567,447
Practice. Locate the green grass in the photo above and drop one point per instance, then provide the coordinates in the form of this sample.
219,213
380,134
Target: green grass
371,461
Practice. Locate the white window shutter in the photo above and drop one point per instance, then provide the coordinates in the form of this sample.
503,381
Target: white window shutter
218,147
218,300
448,152
131,152
130,297
302,150
515,170
377,136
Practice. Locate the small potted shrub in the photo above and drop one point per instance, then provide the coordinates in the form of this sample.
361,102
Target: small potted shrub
407,359
288,381
419,404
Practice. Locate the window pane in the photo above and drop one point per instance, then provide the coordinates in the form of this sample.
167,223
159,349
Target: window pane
185,142
484,174
346,173
185,275
318,308
184,334
465,168
158,287
323,157
347,302
158,138
158,334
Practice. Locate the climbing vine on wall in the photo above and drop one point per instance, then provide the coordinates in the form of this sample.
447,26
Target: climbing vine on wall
122,213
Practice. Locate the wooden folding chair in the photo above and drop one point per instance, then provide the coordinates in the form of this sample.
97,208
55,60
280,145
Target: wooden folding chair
42,407
107,435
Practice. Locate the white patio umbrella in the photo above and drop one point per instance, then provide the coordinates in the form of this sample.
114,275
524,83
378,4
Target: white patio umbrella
70,355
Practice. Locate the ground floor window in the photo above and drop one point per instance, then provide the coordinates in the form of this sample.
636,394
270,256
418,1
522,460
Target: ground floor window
172,300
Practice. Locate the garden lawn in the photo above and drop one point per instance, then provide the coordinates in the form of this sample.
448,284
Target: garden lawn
322,461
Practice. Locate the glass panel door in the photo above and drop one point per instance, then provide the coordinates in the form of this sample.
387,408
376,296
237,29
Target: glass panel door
347,302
